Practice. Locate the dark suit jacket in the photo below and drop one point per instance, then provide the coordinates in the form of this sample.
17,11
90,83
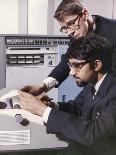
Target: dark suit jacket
104,27
89,122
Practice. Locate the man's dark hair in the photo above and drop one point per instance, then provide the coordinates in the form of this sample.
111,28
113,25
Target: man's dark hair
68,8
91,47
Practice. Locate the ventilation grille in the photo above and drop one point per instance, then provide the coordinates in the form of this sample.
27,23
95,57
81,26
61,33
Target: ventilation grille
25,59
36,40
14,137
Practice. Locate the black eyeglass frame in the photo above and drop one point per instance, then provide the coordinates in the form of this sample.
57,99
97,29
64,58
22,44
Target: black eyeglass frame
64,28
79,65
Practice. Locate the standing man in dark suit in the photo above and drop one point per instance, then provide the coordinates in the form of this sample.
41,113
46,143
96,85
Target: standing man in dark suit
89,120
76,21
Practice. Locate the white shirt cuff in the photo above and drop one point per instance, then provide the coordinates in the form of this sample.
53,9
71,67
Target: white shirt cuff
50,82
46,114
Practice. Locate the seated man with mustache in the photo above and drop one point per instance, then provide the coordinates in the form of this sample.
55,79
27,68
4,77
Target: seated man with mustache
88,121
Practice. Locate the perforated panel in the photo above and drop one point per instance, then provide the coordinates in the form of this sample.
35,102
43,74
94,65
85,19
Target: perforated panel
14,137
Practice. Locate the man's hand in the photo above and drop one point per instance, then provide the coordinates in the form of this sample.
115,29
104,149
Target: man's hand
31,103
35,89
46,100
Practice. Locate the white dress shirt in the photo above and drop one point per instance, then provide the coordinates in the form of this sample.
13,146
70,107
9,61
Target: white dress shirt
99,83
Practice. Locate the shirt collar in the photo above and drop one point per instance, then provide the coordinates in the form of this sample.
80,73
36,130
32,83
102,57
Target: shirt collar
99,83
94,24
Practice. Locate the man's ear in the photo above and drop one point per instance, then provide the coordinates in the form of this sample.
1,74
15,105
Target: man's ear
85,13
98,65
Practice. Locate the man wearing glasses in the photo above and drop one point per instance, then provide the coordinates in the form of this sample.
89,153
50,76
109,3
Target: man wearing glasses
88,122
76,21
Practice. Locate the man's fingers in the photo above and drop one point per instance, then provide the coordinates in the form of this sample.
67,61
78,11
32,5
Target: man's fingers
33,92
26,89
21,93
44,98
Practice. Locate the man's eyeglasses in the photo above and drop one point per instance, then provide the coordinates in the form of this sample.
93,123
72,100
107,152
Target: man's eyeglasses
78,65
71,25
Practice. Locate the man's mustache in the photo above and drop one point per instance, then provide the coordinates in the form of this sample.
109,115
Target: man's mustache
76,77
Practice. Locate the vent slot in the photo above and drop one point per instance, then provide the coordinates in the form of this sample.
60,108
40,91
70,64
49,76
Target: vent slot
25,59
36,40
14,137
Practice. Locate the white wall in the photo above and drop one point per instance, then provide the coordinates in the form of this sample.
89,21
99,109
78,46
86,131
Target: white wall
100,7
37,16
23,16
8,16
114,9
56,25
